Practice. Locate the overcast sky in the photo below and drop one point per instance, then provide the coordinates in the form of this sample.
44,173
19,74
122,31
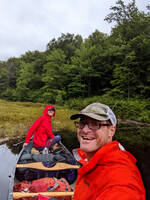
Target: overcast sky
28,25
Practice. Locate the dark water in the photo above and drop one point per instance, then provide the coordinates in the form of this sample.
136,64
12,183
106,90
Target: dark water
136,141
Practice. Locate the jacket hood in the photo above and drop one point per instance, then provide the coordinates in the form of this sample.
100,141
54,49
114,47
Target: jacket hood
46,110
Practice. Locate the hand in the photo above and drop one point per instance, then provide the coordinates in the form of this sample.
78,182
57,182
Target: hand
25,144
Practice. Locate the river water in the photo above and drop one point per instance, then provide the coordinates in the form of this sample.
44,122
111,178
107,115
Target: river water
136,141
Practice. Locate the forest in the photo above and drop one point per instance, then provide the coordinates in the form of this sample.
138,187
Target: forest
117,65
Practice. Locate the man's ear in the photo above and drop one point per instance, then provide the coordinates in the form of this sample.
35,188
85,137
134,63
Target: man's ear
112,130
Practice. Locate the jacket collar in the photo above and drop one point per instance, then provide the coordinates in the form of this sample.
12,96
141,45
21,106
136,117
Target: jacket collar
107,154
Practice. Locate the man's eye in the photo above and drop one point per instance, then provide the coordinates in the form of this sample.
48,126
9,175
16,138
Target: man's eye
82,123
93,124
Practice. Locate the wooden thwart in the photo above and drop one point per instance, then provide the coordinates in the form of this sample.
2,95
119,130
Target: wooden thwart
40,166
18,195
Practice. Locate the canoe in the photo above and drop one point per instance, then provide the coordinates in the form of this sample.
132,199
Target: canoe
33,166
7,171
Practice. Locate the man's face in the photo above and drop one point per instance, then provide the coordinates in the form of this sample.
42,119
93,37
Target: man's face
91,140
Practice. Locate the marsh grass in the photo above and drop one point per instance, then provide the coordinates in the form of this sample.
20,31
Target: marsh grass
17,117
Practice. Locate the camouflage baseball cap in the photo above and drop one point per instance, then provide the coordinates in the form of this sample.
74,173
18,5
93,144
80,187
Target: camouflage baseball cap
97,111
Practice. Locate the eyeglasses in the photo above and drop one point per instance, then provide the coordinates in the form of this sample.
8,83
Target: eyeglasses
91,125
51,110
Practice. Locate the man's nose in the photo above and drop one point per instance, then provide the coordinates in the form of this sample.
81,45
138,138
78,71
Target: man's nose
85,128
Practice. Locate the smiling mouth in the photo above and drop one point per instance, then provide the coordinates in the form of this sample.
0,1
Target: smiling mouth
87,138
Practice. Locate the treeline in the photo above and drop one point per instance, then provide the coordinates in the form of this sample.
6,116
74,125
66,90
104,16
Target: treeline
117,64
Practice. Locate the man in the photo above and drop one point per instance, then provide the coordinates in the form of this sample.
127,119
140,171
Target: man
108,172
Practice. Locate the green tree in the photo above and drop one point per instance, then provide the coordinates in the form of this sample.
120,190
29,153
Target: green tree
3,79
130,37
68,43
29,80
93,70
13,67
53,76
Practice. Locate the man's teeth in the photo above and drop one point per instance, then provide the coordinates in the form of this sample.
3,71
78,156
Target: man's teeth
87,138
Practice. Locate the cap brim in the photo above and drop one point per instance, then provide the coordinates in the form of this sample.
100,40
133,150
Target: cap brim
75,116
91,115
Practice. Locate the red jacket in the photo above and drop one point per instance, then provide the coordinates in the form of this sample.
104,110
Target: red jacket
111,174
41,129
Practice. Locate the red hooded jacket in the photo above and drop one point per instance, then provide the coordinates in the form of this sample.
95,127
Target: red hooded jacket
41,128
111,174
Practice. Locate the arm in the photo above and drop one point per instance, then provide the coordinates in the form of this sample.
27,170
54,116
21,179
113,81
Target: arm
49,129
31,130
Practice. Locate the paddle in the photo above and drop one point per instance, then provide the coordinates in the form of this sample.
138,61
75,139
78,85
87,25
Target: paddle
15,145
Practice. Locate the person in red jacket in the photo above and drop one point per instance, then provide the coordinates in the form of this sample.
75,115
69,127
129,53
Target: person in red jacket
108,171
41,130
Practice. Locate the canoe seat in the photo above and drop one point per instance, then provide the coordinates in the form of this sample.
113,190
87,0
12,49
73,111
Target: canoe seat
18,195
40,166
